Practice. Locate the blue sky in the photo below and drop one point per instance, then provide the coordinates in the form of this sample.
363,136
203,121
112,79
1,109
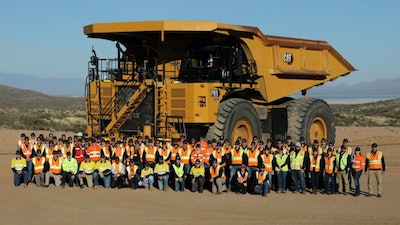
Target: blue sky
45,38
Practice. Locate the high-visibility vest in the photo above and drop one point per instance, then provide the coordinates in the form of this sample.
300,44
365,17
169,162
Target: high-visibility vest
118,168
197,156
38,164
253,157
219,155
341,164
94,152
106,151
261,176
242,177
132,170
214,172
27,150
18,164
329,164
174,151
165,153
358,162
237,156
79,154
280,160
87,167
375,161
102,166
315,163
185,155
197,172
55,165
267,161
179,170
150,154
296,161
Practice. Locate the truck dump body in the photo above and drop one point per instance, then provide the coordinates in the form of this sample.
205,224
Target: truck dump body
194,70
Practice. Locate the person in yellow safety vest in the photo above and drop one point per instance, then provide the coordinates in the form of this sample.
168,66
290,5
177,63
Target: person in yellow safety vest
375,167
55,168
147,177
118,172
252,160
69,170
262,182
266,159
18,166
86,171
179,174
217,177
38,166
330,167
358,164
197,173
281,165
297,167
315,163
242,179
103,171
161,171
350,153
342,167
237,158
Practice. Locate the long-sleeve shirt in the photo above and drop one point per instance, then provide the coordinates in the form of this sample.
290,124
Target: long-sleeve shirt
18,164
70,165
87,167
103,166
161,169
146,173
197,171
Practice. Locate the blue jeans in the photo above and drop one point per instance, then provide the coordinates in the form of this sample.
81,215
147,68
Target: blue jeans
65,176
95,178
357,176
179,185
330,184
17,178
282,180
315,180
149,181
261,189
29,167
163,181
298,180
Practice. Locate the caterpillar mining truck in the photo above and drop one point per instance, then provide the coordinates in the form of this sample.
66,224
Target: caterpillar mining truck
203,78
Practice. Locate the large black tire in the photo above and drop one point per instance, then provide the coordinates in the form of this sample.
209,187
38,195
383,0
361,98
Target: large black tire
310,118
236,117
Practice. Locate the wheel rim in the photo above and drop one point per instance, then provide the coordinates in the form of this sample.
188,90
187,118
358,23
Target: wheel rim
318,129
242,129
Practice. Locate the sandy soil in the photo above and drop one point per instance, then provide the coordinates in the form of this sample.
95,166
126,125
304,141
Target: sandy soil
34,205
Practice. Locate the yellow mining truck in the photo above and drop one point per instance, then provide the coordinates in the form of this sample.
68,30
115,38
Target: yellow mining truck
193,78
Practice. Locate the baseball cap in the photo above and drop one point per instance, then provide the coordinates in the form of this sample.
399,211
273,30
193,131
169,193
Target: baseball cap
298,144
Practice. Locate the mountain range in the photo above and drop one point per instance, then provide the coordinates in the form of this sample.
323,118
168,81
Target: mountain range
75,86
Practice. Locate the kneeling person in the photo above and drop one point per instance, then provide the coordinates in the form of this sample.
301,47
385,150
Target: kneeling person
86,172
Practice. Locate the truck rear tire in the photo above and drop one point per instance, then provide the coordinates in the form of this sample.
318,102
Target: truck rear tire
236,117
310,118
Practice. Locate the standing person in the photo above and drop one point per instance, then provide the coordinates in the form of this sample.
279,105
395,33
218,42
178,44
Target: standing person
103,171
262,180
350,153
252,162
297,166
161,170
150,153
316,162
147,177
330,168
197,173
38,168
86,171
69,170
55,168
281,164
18,166
242,180
266,159
342,166
375,166
358,165
238,157
217,178
179,174
27,153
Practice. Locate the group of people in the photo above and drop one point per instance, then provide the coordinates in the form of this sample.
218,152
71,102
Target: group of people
214,165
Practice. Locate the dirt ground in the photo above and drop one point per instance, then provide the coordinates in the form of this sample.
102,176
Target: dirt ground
53,205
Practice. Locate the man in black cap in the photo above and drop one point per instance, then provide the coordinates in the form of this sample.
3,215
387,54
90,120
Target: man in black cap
179,174
375,167
69,170
343,166
38,166
18,166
